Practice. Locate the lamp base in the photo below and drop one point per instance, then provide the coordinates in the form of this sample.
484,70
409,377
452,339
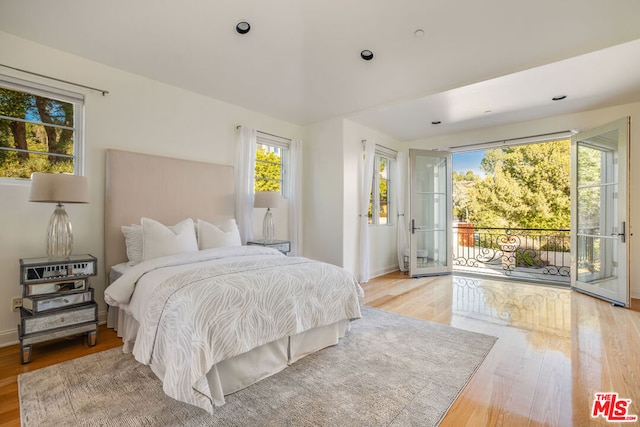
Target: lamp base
268,227
59,235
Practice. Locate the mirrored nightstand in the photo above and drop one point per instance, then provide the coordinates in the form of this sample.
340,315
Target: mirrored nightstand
283,246
57,301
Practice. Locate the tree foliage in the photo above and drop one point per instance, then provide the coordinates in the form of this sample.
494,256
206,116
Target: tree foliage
589,194
525,186
381,187
462,183
268,171
29,128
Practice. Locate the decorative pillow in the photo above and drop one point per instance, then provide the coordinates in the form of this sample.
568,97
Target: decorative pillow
133,242
158,240
218,236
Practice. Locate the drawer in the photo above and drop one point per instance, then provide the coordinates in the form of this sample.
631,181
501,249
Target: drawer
36,270
59,319
57,333
56,287
283,247
43,304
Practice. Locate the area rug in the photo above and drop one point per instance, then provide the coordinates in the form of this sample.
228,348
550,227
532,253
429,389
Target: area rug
391,370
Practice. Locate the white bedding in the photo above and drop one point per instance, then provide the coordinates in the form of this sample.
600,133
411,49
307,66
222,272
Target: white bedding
193,315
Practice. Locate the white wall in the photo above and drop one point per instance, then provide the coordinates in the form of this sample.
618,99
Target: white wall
331,216
323,204
580,122
138,114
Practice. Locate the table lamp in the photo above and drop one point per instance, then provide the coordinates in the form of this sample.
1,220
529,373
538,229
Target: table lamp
267,199
59,188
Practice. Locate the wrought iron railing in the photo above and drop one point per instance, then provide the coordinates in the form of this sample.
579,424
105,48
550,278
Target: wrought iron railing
529,253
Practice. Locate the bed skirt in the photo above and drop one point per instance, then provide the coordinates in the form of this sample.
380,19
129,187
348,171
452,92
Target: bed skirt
236,373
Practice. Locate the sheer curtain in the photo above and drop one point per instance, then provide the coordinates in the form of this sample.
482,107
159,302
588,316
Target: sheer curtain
295,196
245,175
366,181
399,184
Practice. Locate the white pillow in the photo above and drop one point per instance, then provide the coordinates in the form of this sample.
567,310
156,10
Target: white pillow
218,236
133,242
158,240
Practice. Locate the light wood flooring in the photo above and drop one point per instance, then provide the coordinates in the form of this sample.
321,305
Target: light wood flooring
556,348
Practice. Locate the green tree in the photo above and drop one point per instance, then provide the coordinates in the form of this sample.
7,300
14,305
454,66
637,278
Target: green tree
21,130
268,171
462,183
589,165
525,186
13,132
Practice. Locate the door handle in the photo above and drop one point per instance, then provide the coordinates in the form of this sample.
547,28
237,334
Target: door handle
622,235
413,226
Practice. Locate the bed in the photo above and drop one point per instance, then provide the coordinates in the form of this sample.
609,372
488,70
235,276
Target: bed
215,318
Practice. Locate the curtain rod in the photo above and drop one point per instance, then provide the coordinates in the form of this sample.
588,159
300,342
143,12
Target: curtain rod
382,146
267,133
104,92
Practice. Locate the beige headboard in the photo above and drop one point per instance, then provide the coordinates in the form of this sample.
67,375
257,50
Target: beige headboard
165,189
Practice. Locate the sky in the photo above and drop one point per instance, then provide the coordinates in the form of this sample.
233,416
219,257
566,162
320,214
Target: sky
468,161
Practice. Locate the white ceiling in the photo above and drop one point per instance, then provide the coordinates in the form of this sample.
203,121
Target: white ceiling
301,63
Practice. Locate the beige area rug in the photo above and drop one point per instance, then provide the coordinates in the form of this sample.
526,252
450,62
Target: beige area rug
391,370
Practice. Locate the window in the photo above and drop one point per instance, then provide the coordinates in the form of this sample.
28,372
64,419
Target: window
39,129
379,205
272,154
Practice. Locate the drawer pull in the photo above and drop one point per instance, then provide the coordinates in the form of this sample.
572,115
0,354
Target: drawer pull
66,301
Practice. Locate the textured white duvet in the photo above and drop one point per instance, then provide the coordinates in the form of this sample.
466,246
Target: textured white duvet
229,301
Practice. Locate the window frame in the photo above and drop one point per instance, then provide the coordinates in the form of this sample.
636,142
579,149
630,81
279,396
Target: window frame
77,99
283,144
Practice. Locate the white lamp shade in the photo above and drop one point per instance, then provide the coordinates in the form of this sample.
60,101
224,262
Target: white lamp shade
59,188
267,199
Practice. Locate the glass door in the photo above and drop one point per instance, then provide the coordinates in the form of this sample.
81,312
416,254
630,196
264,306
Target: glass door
430,221
599,212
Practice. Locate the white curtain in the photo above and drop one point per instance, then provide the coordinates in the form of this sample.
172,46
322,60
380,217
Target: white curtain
399,184
366,181
245,175
295,196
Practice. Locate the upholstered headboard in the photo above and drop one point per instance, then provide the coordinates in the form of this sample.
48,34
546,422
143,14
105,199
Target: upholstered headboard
165,189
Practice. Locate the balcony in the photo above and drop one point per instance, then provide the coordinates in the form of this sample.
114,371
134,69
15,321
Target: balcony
524,253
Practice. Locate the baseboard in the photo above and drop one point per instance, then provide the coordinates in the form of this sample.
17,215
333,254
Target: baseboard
10,336
386,270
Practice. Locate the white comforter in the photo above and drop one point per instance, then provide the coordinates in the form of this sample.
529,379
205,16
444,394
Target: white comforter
231,301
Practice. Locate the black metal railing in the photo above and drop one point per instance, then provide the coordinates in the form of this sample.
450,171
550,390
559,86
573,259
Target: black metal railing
528,253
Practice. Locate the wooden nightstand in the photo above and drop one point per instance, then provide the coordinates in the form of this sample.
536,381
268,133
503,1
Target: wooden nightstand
283,246
57,301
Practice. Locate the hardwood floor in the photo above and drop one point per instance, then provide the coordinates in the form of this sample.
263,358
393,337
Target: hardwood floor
556,348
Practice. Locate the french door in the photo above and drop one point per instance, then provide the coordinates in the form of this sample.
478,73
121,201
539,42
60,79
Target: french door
430,206
599,212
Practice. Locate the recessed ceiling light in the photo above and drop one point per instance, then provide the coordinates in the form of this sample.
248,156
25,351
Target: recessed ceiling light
367,55
558,98
436,122
419,33
243,27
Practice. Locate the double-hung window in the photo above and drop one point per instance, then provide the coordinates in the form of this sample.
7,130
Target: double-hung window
272,161
380,201
40,129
